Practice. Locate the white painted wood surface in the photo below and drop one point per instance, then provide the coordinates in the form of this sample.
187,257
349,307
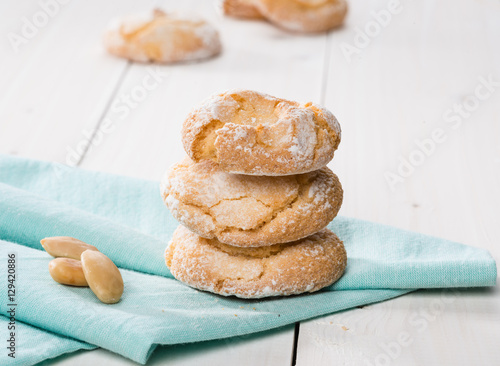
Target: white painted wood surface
61,86
428,58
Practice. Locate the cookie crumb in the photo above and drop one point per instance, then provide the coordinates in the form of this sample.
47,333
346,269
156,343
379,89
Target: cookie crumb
345,328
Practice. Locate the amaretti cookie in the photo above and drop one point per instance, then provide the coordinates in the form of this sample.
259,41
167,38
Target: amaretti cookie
162,37
294,15
247,132
250,211
241,9
306,265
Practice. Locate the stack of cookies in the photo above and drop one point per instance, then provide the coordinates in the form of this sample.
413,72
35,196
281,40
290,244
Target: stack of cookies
254,198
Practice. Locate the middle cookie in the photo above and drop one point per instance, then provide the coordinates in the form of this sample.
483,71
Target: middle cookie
250,211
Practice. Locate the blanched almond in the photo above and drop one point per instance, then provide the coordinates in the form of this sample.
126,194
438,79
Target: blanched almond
65,246
67,271
103,277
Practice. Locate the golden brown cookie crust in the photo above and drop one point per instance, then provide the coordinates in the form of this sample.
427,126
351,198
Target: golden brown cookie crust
250,211
304,15
307,16
306,265
247,132
161,37
241,9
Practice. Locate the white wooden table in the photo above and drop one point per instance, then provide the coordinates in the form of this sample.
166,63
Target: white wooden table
415,78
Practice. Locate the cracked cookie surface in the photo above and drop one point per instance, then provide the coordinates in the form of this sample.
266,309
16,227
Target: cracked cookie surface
250,211
247,132
306,265
161,37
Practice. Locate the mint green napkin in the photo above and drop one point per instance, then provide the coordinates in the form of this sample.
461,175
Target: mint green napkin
34,345
126,219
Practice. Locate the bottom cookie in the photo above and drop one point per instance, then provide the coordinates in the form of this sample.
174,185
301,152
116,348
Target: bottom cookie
305,265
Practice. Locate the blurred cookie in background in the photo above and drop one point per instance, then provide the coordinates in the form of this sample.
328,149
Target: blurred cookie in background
162,37
305,16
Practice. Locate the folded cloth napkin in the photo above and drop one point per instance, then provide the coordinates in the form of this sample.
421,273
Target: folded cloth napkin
34,345
126,219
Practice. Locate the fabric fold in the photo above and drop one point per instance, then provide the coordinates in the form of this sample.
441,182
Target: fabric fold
126,219
26,218
157,310
35,345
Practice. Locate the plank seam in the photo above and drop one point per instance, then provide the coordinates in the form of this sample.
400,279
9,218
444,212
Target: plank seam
105,111
295,343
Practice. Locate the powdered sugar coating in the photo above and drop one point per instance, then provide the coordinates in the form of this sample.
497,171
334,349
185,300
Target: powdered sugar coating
161,37
247,132
250,211
306,265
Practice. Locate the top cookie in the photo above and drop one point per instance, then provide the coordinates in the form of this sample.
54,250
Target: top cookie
247,132
162,38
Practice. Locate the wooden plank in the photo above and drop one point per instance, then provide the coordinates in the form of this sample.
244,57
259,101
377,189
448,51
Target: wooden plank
56,87
258,349
426,328
400,88
147,140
